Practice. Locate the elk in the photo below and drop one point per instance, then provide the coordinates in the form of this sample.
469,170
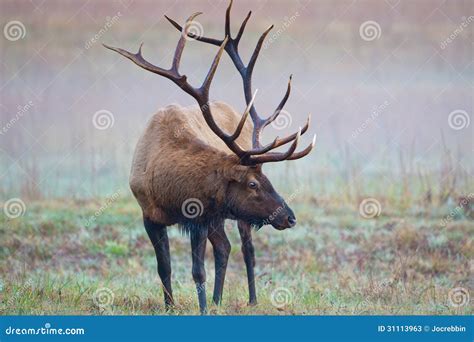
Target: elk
198,166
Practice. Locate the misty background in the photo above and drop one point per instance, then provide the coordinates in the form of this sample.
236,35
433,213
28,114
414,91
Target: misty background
391,111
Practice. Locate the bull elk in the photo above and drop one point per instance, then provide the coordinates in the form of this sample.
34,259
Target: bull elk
211,170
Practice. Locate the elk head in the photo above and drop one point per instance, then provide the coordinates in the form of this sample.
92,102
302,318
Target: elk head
249,195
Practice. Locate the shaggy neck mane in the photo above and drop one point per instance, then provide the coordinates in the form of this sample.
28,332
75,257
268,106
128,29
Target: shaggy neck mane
214,169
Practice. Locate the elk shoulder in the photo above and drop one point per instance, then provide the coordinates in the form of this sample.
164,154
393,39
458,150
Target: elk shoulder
178,154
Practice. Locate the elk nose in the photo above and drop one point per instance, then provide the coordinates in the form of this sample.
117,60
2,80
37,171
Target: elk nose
291,220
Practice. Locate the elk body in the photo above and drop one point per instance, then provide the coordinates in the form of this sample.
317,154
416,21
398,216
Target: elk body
198,166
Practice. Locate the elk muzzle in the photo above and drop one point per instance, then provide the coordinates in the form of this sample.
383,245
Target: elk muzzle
283,217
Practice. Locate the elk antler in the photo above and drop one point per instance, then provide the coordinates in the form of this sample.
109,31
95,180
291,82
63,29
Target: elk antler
258,154
201,94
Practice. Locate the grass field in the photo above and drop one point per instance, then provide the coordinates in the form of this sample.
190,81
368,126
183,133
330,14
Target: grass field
93,257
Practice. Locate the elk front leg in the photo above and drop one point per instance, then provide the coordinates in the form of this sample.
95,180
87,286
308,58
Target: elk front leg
248,251
198,247
221,247
159,238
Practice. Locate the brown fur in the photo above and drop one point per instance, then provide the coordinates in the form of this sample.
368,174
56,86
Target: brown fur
179,157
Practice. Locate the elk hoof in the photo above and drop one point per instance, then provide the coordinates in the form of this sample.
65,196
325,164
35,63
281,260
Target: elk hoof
252,302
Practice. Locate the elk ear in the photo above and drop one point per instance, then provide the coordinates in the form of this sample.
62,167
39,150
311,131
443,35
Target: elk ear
237,173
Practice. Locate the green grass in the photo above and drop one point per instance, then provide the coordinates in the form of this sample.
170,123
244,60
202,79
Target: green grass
333,262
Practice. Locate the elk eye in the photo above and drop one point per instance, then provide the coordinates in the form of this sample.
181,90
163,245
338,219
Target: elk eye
252,185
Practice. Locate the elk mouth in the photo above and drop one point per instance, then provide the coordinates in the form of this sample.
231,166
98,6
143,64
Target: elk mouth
289,223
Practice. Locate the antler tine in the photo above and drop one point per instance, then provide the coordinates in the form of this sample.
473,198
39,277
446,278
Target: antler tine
305,152
210,75
138,59
172,73
182,42
227,19
203,100
213,41
292,137
238,130
255,53
203,39
275,156
241,30
277,111
263,149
